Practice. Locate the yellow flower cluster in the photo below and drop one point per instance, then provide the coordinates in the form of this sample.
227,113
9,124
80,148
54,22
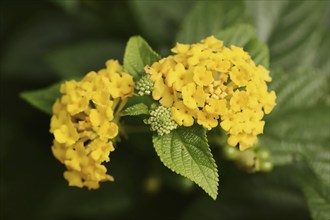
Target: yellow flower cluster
84,123
208,81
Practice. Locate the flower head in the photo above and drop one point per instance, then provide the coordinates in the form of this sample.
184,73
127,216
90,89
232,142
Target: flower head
144,86
161,121
207,81
84,123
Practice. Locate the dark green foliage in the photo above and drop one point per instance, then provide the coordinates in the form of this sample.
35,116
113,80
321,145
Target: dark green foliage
47,41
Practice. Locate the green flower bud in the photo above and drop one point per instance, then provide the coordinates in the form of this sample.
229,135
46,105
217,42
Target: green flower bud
160,120
248,161
144,86
153,184
263,154
230,153
266,166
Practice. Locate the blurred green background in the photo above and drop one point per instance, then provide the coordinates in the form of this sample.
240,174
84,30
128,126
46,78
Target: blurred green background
43,42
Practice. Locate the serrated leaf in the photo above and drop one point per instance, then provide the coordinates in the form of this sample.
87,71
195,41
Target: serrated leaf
186,152
299,128
301,134
137,55
43,99
296,89
296,31
239,34
258,51
318,201
78,60
209,17
137,109
244,35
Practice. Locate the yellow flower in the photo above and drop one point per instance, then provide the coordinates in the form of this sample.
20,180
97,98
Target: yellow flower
178,77
268,101
208,120
83,123
193,96
208,81
239,75
182,115
245,140
163,93
238,100
202,77
180,48
216,106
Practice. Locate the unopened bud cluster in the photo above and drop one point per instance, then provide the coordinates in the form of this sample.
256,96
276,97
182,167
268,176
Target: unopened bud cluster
144,86
160,120
251,161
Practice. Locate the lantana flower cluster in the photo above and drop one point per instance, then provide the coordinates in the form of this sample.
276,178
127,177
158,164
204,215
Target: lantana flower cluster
208,82
85,123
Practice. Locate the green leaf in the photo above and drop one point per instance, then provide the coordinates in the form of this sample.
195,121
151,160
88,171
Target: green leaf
209,17
244,35
297,89
300,132
134,100
253,196
137,109
299,127
186,152
318,199
239,34
16,60
43,99
71,6
137,55
296,31
78,60
258,51
165,14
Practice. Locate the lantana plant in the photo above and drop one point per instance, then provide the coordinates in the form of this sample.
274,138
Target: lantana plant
203,86
232,96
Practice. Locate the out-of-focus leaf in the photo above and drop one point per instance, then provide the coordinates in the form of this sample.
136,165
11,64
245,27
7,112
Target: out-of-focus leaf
23,55
209,17
299,132
258,51
70,6
137,55
78,60
239,35
318,199
297,89
244,35
43,99
252,197
186,152
78,203
297,123
296,31
299,126
266,15
166,17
